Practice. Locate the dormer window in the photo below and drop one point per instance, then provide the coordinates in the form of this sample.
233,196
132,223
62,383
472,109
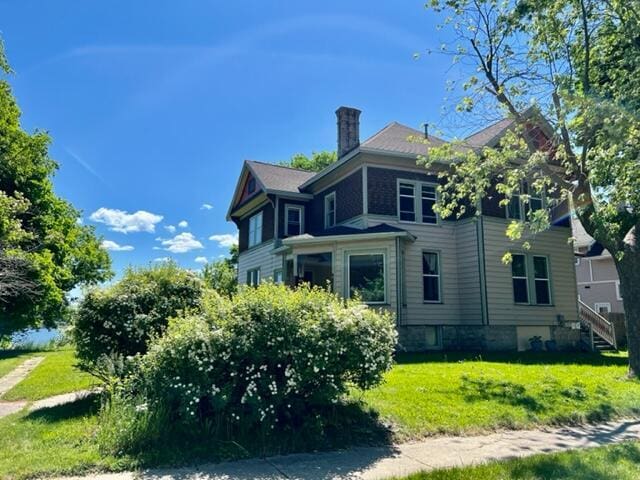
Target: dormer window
330,210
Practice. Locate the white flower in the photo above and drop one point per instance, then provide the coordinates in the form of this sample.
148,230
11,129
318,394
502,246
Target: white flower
143,407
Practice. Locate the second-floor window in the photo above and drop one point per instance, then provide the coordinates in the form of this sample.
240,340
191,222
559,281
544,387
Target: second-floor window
517,208
294,219
416,202
330,210
255,230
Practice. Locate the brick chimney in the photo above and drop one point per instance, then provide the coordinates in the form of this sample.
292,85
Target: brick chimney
348,129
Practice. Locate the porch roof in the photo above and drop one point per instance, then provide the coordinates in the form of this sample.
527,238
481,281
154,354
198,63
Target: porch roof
343,232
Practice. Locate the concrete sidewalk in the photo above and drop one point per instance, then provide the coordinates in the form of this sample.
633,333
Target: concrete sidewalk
400,460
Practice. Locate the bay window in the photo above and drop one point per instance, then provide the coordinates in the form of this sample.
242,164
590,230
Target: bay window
293,221
255,230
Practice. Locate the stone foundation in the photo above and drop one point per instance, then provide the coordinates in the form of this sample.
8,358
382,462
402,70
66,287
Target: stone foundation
415,338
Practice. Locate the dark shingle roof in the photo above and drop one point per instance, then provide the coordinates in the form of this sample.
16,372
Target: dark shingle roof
484,136
278,177
399,138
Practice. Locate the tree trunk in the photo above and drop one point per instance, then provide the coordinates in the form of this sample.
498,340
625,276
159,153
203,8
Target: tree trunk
629,272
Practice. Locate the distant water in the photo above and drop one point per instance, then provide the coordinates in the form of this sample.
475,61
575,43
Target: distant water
35,337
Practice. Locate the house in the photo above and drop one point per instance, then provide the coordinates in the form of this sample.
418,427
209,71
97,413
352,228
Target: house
365,226
596,274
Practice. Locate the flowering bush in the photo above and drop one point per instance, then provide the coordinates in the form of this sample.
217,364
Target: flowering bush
119,321
269,356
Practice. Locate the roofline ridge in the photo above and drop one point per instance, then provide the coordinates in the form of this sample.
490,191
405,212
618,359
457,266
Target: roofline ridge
261,162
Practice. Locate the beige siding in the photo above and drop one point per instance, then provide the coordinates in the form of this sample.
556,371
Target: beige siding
260,257
442,239
552,243
469,272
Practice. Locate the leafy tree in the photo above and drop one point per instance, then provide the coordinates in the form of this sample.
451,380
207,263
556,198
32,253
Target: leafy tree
44,252
222,276
579,60
317,162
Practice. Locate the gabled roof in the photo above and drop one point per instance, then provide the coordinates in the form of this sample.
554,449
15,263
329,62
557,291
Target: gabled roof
485,136
277,177
398,138
582,238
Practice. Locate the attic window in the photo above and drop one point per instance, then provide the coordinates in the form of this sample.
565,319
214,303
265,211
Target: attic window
251,185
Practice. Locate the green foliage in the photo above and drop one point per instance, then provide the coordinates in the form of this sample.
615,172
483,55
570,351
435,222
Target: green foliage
268,358
318,161
44,252
120,320
567,69
221,276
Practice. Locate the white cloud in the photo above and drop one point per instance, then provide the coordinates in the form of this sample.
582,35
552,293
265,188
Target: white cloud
206,206
170,228
114,247
162,259
124,222
182,243
202,260
183,224
225,239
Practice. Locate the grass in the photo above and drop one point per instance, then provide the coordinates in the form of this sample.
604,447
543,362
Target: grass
459,393
423,395
616,462
55,375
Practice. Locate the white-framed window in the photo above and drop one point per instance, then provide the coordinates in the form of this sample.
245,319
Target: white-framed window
577,262
406,202
253,277
530,279
294,220
255,230
602,307
516,208
416,201
330,210
542,285
431,277
277,276
366,277
618,292
519,278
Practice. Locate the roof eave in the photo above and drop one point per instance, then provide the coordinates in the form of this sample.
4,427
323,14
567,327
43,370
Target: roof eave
307,239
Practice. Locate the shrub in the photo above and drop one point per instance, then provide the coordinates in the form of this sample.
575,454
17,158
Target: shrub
120,320
269,357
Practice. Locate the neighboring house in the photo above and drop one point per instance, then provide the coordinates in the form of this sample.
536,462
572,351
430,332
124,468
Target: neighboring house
598,283
366,226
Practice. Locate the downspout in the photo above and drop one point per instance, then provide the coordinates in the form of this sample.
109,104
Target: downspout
482,267
399,282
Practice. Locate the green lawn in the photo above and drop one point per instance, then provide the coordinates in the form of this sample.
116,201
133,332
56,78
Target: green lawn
616,462
423,395
56,374
463,393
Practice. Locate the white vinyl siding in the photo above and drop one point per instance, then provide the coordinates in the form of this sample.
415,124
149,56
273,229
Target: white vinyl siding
255,230
551,244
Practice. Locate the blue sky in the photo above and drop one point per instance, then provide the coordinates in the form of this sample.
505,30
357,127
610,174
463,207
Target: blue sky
153,106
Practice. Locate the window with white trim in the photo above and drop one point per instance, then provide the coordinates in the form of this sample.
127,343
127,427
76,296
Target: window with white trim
602,307
519,278
330,210
431,277
406,202
277,276
416,202
366,277
253,277
255,230
531,279
542,285
294,220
